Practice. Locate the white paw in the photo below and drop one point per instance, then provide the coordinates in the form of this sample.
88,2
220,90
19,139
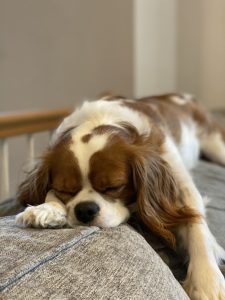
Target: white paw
42,216
205,282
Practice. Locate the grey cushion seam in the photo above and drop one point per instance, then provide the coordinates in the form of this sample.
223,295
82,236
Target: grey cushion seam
45,260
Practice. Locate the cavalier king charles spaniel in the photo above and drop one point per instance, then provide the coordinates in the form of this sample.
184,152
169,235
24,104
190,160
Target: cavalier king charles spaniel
114,153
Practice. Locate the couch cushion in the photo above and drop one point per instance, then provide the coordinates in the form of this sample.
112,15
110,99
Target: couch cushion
82,263
24,250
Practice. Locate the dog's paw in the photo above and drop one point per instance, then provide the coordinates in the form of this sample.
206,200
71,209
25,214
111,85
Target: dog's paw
42,216
205,282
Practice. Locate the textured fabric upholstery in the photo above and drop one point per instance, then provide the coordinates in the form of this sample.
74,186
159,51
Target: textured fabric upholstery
82,263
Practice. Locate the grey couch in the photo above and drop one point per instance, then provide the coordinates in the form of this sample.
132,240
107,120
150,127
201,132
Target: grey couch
91,263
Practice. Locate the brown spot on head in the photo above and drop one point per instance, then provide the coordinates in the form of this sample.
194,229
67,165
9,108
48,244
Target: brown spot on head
86,138
99,130
123,129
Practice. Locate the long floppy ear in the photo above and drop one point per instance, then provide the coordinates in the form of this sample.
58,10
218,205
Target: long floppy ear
37,183
35,186
158,195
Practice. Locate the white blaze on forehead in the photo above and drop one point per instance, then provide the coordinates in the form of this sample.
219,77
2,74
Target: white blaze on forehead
84,151
91,115
103,112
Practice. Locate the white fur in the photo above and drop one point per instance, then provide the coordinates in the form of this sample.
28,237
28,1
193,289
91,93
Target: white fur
105,112
189,147
111,213
213,147
84,151
204,279
51,214
175,160
181,100
42,216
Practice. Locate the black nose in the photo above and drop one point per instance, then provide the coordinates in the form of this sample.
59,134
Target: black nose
86,211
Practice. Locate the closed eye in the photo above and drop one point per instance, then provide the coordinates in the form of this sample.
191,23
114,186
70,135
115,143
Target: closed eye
64,196
113,189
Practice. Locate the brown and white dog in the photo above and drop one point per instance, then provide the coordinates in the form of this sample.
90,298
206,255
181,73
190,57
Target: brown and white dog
114,152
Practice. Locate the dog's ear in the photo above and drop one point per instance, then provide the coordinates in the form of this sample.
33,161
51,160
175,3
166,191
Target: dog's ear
158,197
34,188
55,169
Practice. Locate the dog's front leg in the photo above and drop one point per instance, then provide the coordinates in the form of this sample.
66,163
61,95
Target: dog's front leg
51,214
204,278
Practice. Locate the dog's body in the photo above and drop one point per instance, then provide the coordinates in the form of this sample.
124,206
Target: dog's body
115,152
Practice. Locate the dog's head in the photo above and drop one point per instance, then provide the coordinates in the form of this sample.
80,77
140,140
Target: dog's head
99,173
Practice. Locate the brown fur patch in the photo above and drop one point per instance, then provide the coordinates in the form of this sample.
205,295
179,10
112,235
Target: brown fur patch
57,170
110,172
65,175
158,195
201,116
102,129
192,109
164,114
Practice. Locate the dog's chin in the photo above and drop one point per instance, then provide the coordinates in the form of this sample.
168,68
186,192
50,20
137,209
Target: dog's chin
94,223
101,222
110,215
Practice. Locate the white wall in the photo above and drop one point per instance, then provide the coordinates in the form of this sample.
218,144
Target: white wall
180,45
55,53
201,50
155,60
189,45
212,82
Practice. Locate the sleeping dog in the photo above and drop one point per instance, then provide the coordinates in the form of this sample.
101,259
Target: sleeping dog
114,153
